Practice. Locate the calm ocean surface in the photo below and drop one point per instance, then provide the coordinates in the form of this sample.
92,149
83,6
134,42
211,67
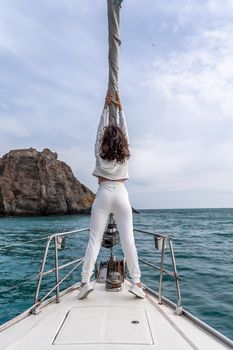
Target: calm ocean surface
203,242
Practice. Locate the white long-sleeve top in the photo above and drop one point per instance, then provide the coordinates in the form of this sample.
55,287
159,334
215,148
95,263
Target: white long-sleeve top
110,169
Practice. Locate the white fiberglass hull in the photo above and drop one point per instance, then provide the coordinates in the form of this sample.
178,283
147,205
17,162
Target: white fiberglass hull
106,320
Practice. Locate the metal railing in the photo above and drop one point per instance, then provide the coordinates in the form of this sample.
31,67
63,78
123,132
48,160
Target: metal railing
58,239
160,241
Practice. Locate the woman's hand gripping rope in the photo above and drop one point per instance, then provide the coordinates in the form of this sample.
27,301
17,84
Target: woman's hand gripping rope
109,99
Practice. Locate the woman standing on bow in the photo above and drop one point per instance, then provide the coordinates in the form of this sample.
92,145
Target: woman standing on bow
112,154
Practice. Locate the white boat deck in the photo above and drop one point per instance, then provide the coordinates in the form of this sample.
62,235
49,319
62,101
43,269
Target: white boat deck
106,320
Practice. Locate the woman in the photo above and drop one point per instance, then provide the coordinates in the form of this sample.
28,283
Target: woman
112,153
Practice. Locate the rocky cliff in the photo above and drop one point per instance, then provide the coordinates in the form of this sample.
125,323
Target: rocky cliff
37,183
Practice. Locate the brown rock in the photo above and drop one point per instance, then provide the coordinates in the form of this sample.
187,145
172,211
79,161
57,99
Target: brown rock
37,183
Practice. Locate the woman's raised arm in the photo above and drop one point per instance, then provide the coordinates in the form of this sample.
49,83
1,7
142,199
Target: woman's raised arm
122,120
122,124
104,120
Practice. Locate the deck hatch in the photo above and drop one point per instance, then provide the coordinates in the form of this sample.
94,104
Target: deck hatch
106,325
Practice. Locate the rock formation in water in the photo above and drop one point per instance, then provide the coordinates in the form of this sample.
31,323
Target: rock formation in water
37,183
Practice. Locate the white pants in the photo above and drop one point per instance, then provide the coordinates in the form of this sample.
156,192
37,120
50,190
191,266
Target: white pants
111,197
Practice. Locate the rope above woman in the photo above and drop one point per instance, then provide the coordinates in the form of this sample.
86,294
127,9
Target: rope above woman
113,53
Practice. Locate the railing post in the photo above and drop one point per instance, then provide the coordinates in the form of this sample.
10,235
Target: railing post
56,269
41,271
161,271
178,310
37,301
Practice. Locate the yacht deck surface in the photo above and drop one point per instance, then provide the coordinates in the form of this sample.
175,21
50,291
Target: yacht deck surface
106,320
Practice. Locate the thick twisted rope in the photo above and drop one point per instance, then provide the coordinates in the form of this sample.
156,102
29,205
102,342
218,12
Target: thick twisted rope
113,53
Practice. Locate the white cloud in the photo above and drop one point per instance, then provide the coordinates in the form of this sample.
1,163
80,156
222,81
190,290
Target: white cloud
185,138
182,167
199,78
177,94
13,128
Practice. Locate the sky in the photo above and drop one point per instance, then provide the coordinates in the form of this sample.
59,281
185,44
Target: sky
176,85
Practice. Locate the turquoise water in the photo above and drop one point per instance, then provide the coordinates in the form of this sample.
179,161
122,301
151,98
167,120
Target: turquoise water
203,241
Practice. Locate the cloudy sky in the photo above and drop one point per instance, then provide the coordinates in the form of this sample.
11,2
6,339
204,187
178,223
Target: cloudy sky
176,83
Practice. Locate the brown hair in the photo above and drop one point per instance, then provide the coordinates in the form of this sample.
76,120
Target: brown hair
114,144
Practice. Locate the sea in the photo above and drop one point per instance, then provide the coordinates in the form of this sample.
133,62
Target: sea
203,246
